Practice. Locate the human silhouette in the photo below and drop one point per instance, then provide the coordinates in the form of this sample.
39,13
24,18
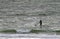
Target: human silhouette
40,23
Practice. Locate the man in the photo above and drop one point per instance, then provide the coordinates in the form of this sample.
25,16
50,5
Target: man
40,23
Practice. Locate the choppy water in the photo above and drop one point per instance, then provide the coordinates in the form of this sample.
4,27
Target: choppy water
23,15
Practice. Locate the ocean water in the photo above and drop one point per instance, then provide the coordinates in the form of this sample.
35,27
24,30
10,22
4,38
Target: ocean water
23,15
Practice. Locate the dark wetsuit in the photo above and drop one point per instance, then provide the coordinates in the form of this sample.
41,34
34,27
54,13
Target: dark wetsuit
40,23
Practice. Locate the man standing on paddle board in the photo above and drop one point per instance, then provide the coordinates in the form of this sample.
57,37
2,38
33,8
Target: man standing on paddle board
40,23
